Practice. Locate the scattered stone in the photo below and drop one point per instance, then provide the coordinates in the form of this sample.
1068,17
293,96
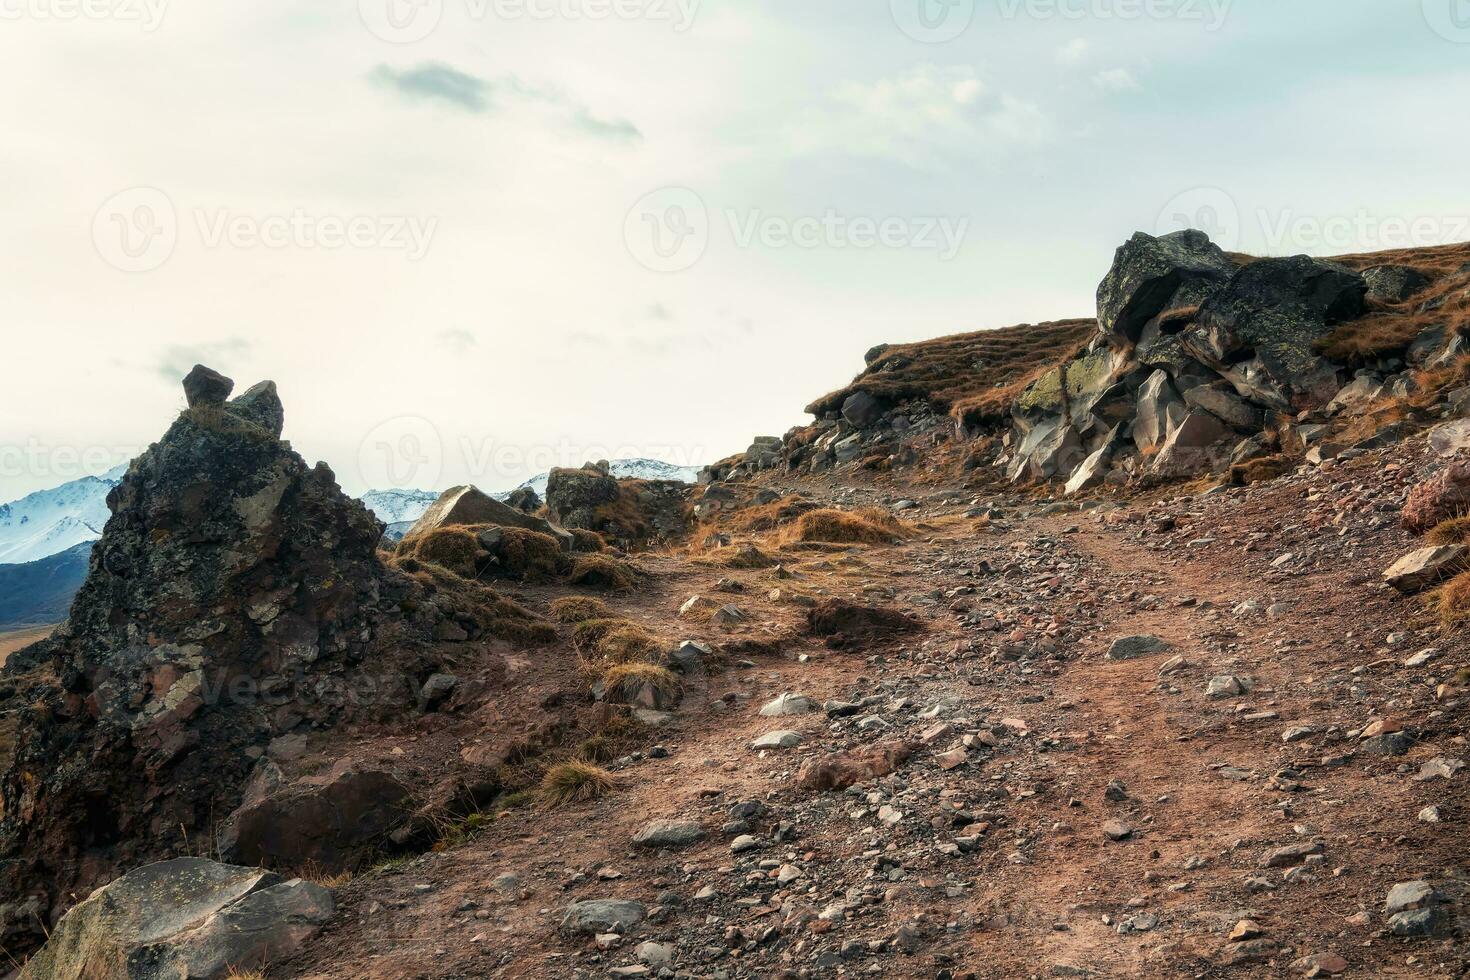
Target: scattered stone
777,740
603,915
669,834
1131,647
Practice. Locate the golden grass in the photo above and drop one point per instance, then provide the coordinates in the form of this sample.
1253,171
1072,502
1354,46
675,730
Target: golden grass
1260,470
1456,530
602,572
477,603
625,678
746,556
768,517
451,548
314,872
1175,320
575,781
627,644
867,526
528,554
579,609
1452,601
974,376
584,540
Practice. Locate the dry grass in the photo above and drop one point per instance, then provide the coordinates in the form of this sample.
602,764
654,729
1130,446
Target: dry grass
575,781
746,556
1260,470
1389,328
768,517
621,682
235,973
475,602
452,548
868,526
330,880
975,376
1456,530
1175,320
587,633
579,609
602,572
1452,601
586,541
628,644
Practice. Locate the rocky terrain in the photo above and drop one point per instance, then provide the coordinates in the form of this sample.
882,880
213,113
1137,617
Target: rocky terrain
1119,647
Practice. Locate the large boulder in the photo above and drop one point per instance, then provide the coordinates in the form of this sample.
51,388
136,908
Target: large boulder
184,919
1445,495
1152,275
1422,568
862,409
333,821
1159,411
1394,283
465,506
573,496
1275,310
1184,451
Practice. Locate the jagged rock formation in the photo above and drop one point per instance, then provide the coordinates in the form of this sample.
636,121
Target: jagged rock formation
231,593
1198,361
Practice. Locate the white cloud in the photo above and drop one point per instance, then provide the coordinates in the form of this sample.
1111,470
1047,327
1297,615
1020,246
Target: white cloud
1074,52
1115,80
922,115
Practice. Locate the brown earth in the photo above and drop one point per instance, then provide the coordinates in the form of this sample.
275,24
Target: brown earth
1017,614
20,639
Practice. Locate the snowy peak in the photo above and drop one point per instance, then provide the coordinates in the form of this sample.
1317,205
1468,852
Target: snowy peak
51,521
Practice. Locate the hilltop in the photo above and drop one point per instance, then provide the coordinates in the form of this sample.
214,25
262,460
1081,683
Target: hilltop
1126,646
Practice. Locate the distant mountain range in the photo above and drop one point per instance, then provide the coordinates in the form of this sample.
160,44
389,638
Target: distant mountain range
39,593
45,537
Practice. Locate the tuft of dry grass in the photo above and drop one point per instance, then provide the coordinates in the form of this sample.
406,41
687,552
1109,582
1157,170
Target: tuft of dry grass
575,781
1452,601
1177,319
579,609
330,880
768,517
587,541
602,572
1260,470
746,556
974,376
528,554
868,526
235,973
1456,530
477,603
628,644
452,548
626,677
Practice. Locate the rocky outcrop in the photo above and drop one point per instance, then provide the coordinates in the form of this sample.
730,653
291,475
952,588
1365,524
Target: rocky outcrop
631,513
573,496
232,591
1151,275
1438,499
185,918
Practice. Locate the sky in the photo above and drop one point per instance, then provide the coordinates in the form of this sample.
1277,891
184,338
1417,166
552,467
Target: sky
472,239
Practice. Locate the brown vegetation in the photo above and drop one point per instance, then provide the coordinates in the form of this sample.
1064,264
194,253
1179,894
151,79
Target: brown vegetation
601,572
473,602
868,526
974,376
579,609
575,781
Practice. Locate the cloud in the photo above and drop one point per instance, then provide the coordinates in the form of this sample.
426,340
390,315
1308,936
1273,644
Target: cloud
178,360
1115,80
925,113
435,82
455,340
1074,52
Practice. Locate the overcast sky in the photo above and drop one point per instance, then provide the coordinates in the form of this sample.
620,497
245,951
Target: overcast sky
473,238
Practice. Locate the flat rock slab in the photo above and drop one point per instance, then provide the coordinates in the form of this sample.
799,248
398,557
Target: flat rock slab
1420,569
777,740
788,704
669,834
602,915
1132,647
188,917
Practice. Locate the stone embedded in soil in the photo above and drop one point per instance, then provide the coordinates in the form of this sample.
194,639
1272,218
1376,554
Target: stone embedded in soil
1132,647
788,704
784,739
601,915
1117,830
669,834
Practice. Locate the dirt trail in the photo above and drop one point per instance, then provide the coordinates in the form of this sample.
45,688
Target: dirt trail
1207,787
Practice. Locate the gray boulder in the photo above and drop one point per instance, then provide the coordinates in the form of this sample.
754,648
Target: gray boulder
1151,275
1184,452
1221,401
669,834
1394,283
261,405
862,409
205,386
185,919
602,915
1159,411
467,505
1420,569
1276,309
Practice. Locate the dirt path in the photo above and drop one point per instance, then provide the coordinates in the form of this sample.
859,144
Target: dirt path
1063,741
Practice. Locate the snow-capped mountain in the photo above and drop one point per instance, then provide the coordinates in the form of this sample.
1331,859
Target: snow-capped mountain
48,522
397,506
626,469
